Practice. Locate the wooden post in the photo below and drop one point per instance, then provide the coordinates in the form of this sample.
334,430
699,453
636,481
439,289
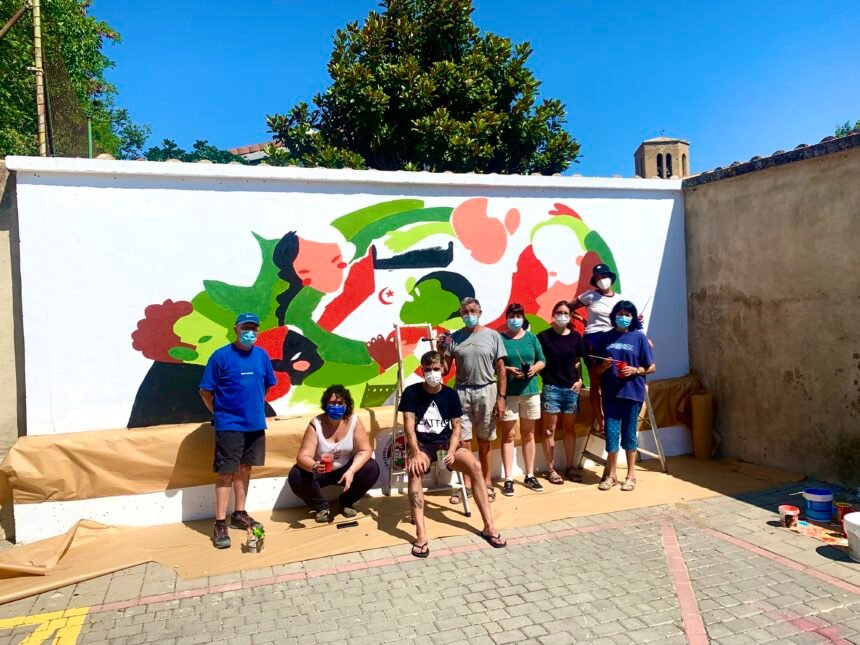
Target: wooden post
41,118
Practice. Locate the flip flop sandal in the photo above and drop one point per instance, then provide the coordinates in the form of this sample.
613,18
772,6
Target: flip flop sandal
554,478
572,474
491,494
496,541
455,497
420,550
629,484
607,483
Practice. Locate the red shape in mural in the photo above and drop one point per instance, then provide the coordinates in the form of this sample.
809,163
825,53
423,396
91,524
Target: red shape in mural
272,340
154,335
384,294
358,287
564,209
484,236
383,351
528,283
512,221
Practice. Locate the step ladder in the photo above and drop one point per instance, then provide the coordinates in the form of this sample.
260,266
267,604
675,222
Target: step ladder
398,431
651,425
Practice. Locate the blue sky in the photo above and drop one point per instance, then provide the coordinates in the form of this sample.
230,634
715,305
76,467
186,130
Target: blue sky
737,79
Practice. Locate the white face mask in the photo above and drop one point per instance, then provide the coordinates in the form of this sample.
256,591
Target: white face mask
562,320
604,283
433,378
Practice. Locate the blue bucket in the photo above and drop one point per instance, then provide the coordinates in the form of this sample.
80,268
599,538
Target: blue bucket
819,504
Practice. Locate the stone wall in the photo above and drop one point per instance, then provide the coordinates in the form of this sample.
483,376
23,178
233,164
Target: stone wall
773,272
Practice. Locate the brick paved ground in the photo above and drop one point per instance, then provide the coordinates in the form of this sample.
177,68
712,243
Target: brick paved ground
714,569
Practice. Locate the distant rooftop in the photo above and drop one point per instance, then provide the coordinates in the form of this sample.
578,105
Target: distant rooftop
666,140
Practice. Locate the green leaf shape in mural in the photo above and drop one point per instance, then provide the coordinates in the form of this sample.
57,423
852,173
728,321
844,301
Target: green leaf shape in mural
430,303
351,223
593,242
342,373
366,236
258,297
579,227
399,241
184,354
331,347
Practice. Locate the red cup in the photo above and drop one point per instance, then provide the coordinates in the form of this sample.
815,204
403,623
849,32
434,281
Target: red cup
620,366
327,460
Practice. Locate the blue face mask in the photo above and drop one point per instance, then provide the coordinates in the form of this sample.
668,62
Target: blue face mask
623,322
515,324
471,320
336,412
248,337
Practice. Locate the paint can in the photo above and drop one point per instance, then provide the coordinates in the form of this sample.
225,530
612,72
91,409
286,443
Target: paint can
851,523
819,504
842,509
788,515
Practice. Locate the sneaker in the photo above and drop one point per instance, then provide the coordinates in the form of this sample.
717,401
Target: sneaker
508,488
241,520
533,483
220,538
348,511
323,516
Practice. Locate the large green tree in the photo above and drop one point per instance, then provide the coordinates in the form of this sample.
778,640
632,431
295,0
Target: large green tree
75,70
202,150
418,86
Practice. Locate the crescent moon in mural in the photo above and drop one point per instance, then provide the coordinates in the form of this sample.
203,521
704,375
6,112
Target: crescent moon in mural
384,293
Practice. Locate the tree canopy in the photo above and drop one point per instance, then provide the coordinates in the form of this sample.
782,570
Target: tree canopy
75,67
846,128
201,150
417,86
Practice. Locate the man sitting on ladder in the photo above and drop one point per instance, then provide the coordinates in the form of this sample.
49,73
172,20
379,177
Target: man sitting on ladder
431,419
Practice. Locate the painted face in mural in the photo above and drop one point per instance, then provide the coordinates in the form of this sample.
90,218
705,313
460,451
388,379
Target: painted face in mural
320,265
246,334
470,313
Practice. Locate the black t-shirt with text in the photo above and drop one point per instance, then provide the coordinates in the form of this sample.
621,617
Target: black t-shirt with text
433,412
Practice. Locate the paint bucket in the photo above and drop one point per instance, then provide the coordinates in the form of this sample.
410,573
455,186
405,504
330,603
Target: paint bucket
788,515
852,530
819,504
842,509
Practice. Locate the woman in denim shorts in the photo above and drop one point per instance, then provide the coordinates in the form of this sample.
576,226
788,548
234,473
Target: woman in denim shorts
565,355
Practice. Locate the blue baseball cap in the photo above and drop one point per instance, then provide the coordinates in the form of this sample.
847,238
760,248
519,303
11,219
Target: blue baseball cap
248,318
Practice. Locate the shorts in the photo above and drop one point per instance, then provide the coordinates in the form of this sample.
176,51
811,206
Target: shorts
592,345
621,423
431,450
479,411
522,407
234,448
559,400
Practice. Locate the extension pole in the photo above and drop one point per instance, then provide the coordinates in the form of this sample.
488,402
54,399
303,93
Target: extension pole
41,120
90,136
11,22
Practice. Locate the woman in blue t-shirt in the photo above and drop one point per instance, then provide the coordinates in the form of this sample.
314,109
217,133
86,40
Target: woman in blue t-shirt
627,360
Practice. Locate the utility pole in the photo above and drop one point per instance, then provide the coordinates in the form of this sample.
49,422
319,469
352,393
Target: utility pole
41,119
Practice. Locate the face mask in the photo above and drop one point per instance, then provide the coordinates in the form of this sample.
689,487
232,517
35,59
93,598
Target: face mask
471,320
248,338
515,324
562,320
604,283
336,412
623,322
433,378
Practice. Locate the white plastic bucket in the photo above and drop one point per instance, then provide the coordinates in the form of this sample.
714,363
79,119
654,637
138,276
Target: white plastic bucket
852,529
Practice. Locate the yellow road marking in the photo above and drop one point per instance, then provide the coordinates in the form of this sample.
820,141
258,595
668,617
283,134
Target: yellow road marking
66,625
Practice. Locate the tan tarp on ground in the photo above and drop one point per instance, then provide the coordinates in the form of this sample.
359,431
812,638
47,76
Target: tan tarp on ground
103,463
91,550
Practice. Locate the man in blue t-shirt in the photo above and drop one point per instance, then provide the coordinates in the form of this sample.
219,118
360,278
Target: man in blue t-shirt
431,419
234,388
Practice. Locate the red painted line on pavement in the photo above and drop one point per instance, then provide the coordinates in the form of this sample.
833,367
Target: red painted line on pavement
811,624
791,564
694,626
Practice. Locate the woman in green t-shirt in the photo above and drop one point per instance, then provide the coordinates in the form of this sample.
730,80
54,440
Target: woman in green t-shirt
522,401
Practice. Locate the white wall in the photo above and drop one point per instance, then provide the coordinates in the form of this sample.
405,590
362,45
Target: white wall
102,240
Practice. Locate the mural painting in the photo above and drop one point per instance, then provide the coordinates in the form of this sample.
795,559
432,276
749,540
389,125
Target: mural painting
327,308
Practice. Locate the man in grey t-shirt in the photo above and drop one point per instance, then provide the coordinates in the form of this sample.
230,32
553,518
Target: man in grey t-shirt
478,353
